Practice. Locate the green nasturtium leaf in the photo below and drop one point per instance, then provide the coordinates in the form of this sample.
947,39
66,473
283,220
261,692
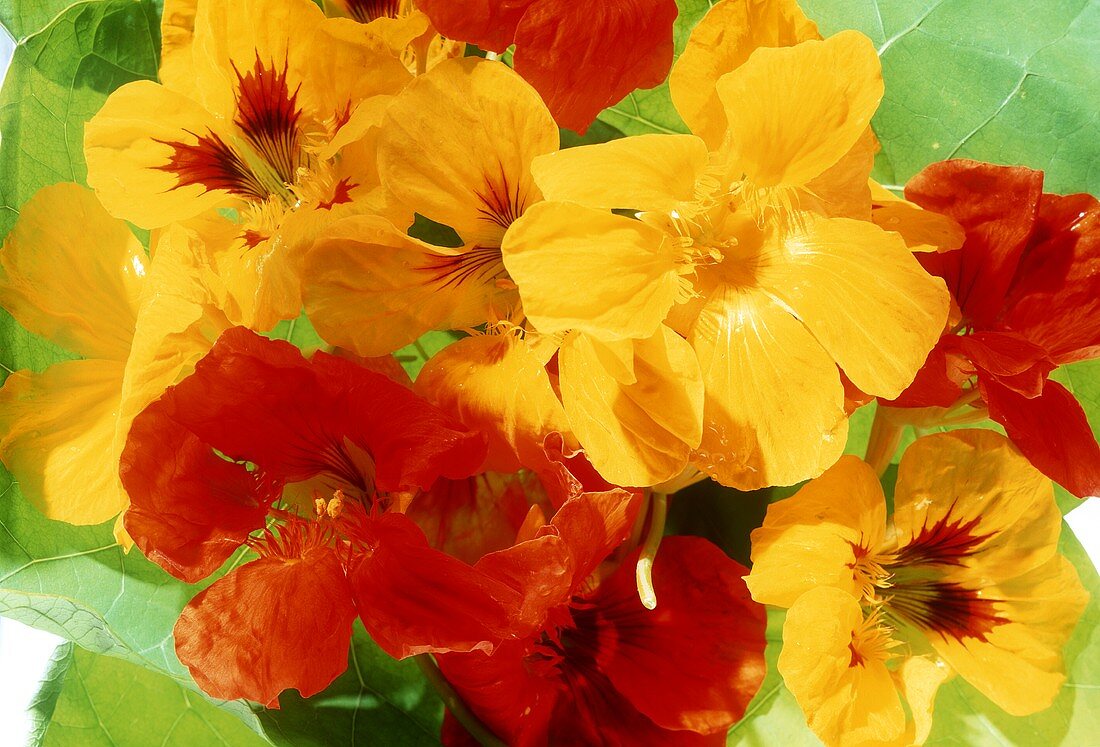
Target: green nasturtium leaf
377,701
42,706
1000,81
60,77
113,703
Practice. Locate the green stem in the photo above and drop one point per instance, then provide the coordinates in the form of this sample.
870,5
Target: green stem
455,704
643,573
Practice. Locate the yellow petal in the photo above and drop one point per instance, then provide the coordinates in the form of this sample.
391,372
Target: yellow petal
233,35
645,172
126,147
498,385
370,288
58,442
774,402
177,33
974,491
603,274
72,273
720,43
842,190
919,679
178,321
862,295
815,537
1018,664
458,143
796,111
845,702
921,230
638,432
345,64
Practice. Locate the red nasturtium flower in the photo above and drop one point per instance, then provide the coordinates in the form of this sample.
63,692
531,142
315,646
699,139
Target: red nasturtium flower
602,668
581,56
1027,284
209,470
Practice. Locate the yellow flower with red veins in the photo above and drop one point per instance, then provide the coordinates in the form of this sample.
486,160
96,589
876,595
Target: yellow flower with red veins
264,115
138,326
966,579
753,251
456,146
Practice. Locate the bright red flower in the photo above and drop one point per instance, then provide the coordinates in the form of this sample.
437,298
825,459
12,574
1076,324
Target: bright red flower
1027,283
581,56
240,453
605,670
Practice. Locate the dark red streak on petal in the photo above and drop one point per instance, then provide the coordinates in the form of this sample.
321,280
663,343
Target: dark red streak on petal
481,264
943,543
213,165
502,202
946,608
341,193
268,114
365,11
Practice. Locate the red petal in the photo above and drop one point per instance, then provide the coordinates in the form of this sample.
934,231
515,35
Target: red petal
413,599
583,56
997,207
695,661
594,524
189,509
268,626
258,400
1052,431
477,515
1009,358
490,24
1055,300
935,385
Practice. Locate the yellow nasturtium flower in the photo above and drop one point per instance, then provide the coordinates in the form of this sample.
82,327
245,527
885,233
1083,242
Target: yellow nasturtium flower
456,147
266,115
406,29
965,579
78,277
754,244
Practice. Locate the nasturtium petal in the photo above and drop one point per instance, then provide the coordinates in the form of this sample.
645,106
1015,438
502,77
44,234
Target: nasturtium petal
812,538
720,43
861,294
239,639
846,703
126,146
72,273
177,35
1002,509
646,172
638,432
457,147
497,384
58,431
793,112
921,230
1019,663
774,411
233,35
584,57
603,274
371,288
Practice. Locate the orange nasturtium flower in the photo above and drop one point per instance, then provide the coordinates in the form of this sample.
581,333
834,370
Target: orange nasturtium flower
967,579
456,147
78,277
754,244
271,126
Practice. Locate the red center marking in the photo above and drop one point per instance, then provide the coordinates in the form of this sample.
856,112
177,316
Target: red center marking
268,114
